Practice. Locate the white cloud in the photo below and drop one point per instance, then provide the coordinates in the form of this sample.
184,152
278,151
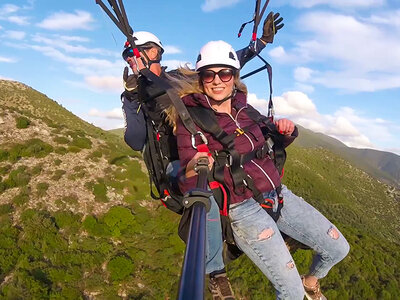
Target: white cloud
19,20
277,52
338,3
105,83
84,66
7,59
390,18
68,21
64,43
115,113
346,124
342,45
302,74
168,49
211,5
172,64
15,35
305,88
8,9
7,13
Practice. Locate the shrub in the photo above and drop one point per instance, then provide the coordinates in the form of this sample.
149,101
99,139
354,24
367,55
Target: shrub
74,149
31,148
120,267
61,140
82,142
118,219
58,174
61,150
22,197
36,170
66,219
58,162
18,177
70,199
5,169
22,122
5,209
100,192
42,188
3,155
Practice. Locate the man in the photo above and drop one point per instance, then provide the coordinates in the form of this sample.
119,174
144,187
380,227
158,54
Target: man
141,106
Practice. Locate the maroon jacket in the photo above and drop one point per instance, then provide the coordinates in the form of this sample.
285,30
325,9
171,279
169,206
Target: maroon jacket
263,171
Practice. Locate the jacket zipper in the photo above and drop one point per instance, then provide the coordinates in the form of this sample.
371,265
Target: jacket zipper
234,120
265,173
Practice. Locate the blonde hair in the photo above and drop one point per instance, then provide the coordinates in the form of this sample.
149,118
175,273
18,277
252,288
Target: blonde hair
188,82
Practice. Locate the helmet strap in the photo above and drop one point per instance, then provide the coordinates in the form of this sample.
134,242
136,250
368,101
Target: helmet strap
150,61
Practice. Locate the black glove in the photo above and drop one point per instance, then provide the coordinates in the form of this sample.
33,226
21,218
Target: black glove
130,85
271,26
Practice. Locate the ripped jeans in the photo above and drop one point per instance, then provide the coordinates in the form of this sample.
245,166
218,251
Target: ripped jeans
258,236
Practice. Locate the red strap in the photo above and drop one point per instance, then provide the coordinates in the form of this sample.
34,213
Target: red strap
136,52
163,203
166,193
214,185
254,37
283,172
269,200
203,148
158,136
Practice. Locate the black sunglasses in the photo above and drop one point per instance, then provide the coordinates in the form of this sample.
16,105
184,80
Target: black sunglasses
128,52
208,76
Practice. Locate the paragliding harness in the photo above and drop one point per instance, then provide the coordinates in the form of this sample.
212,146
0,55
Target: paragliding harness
229,157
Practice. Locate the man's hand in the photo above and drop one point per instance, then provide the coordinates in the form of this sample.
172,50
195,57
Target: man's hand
284,126
130,82
271,26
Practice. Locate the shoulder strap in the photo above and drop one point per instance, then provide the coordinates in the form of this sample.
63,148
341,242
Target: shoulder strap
206,120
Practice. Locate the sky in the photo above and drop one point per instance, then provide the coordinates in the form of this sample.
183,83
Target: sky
336,64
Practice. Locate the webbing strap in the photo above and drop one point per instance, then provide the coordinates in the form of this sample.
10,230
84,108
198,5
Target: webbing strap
206,120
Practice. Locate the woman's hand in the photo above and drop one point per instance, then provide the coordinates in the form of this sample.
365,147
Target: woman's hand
285,126
190,172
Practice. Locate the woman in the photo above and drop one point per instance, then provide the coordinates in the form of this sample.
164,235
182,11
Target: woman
218,88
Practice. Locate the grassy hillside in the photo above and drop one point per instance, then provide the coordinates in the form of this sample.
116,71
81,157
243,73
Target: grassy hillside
76,221
384,166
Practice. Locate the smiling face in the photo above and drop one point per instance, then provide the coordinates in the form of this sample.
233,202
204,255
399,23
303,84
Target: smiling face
222,84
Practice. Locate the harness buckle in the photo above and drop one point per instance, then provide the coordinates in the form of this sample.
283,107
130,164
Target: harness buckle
239,131
203,138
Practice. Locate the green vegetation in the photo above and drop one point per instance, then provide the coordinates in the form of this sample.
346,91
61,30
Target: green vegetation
22,122
31,148
100,191
120,267
58,174
42,188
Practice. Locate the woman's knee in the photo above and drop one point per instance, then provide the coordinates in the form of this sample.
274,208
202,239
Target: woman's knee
341,248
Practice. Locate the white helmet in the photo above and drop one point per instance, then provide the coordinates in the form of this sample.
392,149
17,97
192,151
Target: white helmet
144,37
217,53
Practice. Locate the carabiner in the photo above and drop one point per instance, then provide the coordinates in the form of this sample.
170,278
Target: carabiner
203,138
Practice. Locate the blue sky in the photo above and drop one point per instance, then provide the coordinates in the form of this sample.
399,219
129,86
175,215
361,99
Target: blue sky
336,64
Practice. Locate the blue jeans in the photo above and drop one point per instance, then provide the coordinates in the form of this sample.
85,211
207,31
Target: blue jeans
258,236
214,243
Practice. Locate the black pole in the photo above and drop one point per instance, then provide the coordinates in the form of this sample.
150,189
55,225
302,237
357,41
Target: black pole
194,268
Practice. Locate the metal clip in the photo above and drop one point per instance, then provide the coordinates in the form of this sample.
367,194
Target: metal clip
203,138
